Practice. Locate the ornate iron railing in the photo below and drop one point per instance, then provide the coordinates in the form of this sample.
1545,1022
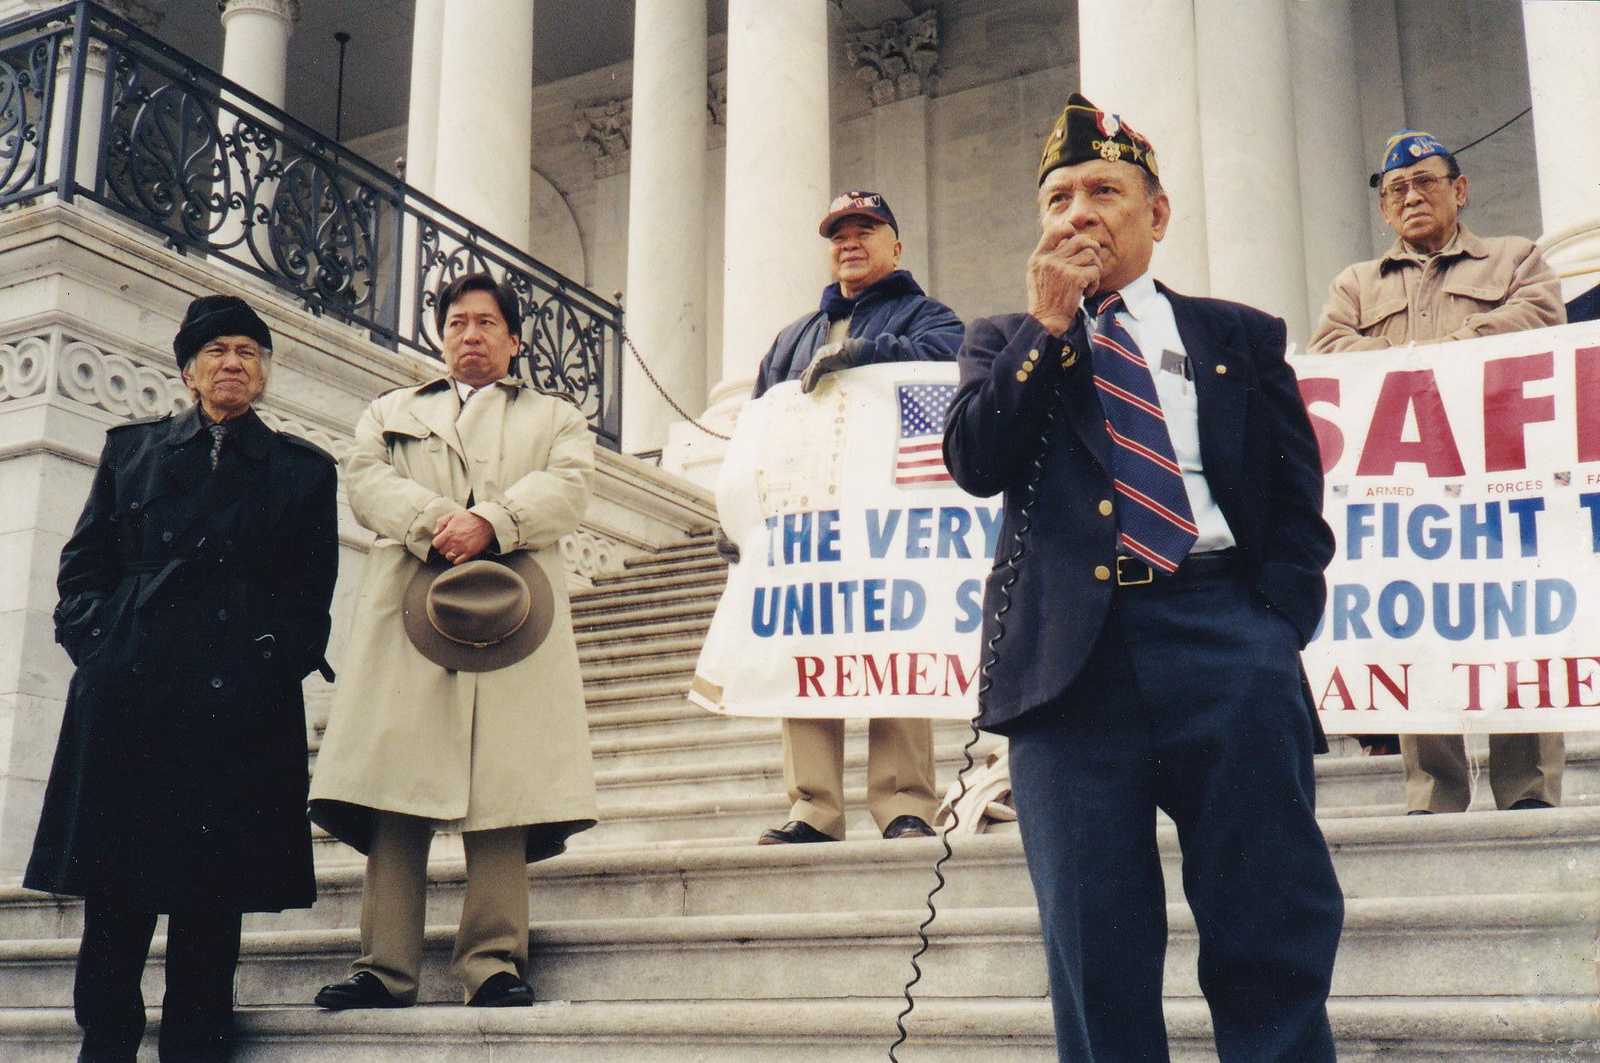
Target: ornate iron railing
92,107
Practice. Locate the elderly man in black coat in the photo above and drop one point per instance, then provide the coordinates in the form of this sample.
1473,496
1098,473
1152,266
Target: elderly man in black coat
195,596
1159,570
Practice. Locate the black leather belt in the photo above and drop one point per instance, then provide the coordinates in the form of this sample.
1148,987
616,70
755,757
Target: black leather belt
1132,572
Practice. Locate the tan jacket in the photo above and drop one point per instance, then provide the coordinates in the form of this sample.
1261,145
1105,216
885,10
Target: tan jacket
470,751
1475,286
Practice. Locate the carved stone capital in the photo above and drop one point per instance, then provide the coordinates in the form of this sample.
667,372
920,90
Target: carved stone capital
606,132
896,60
287,10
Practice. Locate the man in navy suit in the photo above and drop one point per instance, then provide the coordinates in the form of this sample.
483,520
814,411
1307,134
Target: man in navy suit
1159,570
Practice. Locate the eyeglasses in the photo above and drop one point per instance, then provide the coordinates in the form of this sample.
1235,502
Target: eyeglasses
1425,183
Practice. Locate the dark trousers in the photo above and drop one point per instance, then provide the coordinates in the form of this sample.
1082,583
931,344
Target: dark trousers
197,1012
1191,703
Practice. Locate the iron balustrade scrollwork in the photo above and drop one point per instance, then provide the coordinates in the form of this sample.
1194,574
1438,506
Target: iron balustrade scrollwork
216,170
29,54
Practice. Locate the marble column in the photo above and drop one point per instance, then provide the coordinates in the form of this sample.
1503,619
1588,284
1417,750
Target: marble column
1563,42
1139,61
422,144
605,129
1380,85
777,186
485,128
145,14
895,61
255,45
1334,197
422,115
255,56
666,281
1255,246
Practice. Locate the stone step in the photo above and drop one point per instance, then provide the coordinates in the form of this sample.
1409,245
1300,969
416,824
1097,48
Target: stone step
622,637
738,778
1394,1030
678,669
605,653
671,566
698,544
644,744
1537,945
620,622
683,584
588,604
1476,854
654,690
1342,782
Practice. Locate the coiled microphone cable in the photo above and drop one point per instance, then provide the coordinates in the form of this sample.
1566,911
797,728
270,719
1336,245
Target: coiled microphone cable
1013,563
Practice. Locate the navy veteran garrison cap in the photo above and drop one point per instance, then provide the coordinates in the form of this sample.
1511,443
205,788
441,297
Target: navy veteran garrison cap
211,316
1083,133
1405,148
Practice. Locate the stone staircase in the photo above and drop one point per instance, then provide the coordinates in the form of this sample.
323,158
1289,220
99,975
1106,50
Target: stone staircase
666,936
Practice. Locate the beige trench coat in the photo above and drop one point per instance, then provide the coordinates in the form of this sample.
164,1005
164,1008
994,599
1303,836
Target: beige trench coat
469,751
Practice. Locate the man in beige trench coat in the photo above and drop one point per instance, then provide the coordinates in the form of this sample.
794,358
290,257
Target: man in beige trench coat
467,465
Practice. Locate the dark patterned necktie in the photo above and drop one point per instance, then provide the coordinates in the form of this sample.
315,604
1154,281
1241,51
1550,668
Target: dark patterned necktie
218,432
1154,520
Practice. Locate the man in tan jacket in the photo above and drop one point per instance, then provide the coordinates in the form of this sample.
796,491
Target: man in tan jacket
1439,282
451,712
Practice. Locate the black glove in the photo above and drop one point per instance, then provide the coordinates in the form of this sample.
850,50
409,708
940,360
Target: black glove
727,549
832,356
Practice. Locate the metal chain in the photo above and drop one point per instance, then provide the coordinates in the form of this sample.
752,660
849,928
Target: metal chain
663,391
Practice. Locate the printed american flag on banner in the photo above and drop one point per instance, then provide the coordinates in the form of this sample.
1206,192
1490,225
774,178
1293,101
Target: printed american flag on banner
919,459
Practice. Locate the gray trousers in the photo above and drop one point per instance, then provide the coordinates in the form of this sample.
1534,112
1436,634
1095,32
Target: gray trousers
493,935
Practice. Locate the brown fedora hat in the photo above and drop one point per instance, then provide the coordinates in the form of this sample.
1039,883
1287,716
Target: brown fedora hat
481,615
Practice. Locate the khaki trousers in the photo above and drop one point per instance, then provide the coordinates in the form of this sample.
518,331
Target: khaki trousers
493,935
1520,766
899,771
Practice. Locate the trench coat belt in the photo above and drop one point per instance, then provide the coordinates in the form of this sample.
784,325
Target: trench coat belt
163,571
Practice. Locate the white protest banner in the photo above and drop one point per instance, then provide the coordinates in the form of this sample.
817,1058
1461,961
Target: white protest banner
1463,487
860,588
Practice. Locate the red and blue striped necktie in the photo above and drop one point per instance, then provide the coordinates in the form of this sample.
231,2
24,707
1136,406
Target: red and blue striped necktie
1154,520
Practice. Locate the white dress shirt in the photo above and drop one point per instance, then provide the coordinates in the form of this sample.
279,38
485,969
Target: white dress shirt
1147,315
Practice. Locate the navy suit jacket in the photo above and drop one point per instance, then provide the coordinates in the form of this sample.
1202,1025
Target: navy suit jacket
1256,446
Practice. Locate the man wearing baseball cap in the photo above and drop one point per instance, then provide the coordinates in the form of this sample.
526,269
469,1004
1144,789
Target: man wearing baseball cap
872,312
1439,282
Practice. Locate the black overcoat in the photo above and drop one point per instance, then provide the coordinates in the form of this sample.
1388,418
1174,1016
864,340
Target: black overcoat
193,603
1256,445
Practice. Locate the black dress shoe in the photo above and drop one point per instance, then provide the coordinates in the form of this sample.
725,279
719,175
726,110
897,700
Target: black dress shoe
361,990
502,990
1529,802
796,830
908,827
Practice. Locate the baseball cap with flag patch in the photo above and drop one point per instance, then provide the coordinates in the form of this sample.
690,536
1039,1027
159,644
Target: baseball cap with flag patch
858,204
